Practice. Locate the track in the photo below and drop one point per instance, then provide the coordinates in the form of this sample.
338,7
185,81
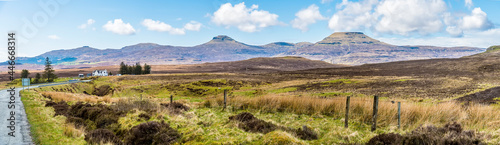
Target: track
15,128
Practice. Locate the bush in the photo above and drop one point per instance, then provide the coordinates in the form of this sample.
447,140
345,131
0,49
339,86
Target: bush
249,123
152,133
175,107
386,139
100,136
450,134
306,133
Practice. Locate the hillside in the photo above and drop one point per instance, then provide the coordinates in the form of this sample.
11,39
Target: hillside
254,65
352,48
355,48
480,65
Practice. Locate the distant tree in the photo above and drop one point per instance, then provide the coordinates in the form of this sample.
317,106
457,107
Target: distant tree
123,68
49,72
130,69
110,74
37,78
147,69
138,69
25,73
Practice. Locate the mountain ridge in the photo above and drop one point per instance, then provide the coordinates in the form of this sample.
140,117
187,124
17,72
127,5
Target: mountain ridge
351,48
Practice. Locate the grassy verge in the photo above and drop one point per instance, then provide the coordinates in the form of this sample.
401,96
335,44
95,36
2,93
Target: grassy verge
45,128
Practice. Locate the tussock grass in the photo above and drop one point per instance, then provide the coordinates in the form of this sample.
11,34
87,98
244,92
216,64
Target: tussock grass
413,114
70,130
70,97
45,128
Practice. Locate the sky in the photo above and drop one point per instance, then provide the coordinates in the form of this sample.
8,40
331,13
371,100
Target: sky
45,25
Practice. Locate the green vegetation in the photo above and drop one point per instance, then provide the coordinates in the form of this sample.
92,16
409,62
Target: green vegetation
134,69
49,72
45,127
285,104
332,94
493,48
283,90
343,81
25,73
400,80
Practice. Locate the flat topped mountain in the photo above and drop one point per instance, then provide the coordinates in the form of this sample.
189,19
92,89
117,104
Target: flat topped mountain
350,48
222,38
349,38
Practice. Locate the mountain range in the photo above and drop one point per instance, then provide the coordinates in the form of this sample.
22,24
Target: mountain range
350,48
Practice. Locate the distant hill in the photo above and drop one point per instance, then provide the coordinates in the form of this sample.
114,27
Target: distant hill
352,48
254,65
355,48
264,64
481,66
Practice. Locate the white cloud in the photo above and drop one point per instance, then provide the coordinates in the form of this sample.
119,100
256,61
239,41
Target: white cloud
306,17
469,3
481,39
404,17
119,27
162,27
476,21
326,1
89,22
353,15
245,19
454,31
192,26
54,37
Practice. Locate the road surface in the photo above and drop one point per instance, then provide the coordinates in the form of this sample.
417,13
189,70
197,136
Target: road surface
15,128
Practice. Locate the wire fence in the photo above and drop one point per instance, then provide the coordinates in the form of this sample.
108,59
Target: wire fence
372,112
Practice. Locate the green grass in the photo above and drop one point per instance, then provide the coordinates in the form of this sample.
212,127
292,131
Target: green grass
46,129
249,93
344,81
401,80
283,90
332,94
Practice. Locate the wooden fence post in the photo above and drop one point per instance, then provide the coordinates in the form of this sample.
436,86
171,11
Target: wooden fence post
399,115
171,99
347,111
375,110
225,95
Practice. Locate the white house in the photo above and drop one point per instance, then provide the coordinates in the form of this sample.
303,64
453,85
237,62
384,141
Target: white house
100,73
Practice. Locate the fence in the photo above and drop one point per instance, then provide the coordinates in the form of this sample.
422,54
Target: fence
370,112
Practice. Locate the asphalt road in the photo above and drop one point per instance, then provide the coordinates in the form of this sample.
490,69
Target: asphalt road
15,128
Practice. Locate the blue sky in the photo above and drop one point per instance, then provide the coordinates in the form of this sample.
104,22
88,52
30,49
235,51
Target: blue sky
117,23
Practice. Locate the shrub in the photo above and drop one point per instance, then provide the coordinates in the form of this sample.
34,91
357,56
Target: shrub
100,136
450,134
152,133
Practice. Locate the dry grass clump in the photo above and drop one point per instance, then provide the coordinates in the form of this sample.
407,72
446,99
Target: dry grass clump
474,116
70,97
131,103
70,130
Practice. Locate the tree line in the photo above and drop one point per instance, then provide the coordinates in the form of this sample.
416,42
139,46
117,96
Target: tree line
47,76
136,69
